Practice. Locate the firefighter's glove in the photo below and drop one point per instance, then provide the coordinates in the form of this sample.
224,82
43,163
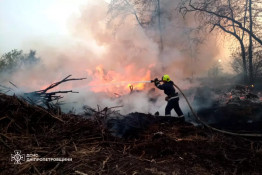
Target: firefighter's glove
156,81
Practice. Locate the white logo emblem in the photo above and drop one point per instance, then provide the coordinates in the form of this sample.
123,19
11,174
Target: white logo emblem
17,157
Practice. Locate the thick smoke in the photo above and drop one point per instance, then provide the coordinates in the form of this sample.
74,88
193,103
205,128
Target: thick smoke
115,52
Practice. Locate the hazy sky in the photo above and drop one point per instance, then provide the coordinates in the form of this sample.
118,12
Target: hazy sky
23,21
38,24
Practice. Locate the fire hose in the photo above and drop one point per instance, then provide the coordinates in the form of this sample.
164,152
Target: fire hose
210,127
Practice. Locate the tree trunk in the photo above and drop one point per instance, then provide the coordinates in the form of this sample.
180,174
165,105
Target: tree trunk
250,49
243,53
159,27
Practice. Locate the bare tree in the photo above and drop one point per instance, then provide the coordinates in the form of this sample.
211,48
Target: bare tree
250,49
218,9
230,16
210,14
146,12
237,63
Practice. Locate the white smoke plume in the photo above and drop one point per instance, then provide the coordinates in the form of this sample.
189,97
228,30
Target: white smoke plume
105,53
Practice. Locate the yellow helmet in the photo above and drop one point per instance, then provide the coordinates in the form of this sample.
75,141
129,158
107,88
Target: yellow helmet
166,78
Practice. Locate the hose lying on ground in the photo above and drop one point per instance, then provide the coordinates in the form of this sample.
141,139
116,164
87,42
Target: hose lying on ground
210,127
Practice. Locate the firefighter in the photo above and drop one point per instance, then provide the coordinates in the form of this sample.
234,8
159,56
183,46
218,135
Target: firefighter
172,96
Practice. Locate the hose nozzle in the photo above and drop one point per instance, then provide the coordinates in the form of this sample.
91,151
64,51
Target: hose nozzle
156,80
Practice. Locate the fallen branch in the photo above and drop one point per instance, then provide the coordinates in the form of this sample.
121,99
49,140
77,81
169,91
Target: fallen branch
59,82
44,98
81,173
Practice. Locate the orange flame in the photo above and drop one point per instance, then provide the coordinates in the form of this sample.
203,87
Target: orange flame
114,82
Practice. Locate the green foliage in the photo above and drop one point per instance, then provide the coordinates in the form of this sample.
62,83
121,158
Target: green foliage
15,59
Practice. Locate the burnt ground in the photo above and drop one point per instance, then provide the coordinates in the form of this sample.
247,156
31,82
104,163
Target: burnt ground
162,148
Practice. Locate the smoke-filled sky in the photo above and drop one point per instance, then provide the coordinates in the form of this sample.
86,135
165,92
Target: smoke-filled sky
25,21
74,37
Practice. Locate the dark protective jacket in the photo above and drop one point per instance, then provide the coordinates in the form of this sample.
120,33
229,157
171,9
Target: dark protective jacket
168,88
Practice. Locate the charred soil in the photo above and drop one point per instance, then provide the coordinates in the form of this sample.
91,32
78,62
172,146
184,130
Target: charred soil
162,148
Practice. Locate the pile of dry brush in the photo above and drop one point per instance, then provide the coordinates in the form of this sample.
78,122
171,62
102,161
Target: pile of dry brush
164,148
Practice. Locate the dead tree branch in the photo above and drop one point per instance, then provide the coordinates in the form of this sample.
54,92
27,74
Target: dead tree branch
44,98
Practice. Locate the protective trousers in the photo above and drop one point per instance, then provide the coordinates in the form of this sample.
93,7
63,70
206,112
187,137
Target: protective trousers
173,104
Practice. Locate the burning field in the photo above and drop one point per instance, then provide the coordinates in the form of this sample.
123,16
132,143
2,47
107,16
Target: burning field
238,108
88,98
38,138
155,145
